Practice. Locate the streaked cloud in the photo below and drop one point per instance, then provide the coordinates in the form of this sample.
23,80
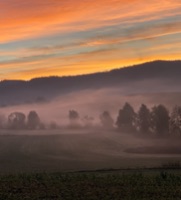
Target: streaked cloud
50,37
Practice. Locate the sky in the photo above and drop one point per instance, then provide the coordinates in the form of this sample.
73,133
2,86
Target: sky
70,37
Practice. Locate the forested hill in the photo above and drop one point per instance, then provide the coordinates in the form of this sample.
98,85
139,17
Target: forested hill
162,73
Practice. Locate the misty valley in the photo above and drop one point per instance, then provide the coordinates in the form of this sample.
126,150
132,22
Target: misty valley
72,137
90,100
137,137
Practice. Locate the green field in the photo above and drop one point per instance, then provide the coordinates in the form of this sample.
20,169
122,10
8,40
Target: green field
127,185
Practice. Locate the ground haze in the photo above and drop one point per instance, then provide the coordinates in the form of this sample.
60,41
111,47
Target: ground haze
77,150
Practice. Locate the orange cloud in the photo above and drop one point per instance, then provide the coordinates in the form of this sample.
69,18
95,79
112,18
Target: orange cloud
146,23
90,62
30,18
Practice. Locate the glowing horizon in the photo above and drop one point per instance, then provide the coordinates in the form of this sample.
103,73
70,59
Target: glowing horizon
73,37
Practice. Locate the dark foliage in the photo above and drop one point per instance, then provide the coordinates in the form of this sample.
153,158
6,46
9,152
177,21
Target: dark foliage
126,118
16,120
106,120
91,186
144,119
33,120
160,120
175,121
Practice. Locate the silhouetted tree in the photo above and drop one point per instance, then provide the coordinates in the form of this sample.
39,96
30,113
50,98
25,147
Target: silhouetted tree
73,115
106,120
175,121
74,118
16,120
2,121
160,120
126,118
144,119
33,121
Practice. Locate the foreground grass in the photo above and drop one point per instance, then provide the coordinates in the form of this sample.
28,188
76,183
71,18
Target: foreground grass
91,186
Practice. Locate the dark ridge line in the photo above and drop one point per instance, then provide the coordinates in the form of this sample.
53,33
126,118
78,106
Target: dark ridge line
92,74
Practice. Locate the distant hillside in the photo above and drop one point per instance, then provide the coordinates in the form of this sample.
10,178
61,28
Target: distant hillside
154,77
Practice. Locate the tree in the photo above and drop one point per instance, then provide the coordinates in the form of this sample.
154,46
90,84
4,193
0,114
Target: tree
33,121
74,118
2,121
16,120
144,119
126,118
73,115
160,120
175,121
106,120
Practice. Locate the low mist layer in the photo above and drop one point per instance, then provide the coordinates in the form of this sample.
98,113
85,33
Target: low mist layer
75,151
92,103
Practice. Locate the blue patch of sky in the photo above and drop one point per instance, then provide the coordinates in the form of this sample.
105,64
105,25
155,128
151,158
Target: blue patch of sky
120,30
5,58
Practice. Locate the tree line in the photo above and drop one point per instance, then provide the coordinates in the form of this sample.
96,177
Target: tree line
18,120
158,120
